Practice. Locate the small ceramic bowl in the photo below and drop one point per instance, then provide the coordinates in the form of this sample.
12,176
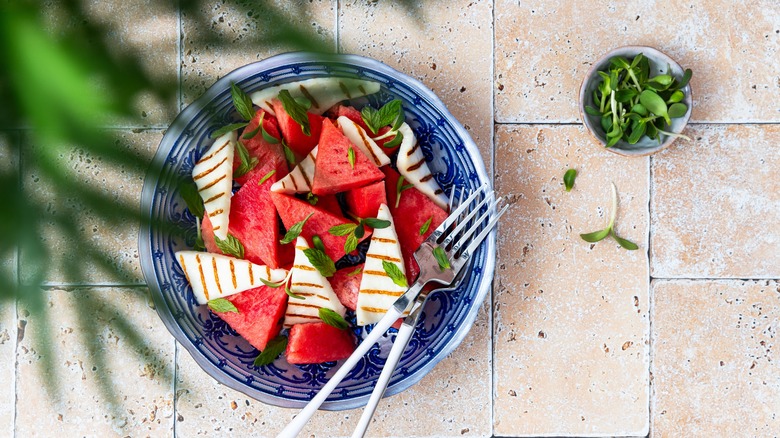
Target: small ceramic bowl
660,63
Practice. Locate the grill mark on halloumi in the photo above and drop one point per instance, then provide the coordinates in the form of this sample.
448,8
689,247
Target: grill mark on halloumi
301,248
251,275
306,178
426,178
216,212
209,156
310,295
413,150
209,185
313,306
216,228
184,268
362,133
304,268
378,273
295,183
233,273
384,257
314,285
267,272
208,171
383,240
216,275
372,309
382,292
362,90
215,197
416,166
438,192
308,95
345,90
303,316
202,278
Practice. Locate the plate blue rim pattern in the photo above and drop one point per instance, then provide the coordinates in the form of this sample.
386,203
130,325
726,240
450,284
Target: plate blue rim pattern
454,159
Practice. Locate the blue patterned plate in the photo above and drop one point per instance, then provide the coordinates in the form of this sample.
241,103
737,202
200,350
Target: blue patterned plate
453,158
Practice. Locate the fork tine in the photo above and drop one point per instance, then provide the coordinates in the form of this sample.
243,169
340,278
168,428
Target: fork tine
455,214
489,227
463,222
475,226
452,197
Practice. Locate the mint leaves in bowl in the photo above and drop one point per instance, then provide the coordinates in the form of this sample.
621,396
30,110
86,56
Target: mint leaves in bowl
636,100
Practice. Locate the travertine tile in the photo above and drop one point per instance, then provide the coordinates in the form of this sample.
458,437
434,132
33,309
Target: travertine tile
102,244
134,34
571,320
219,37
452,400
544,48
94,362
8,166
447,45
716,206
714,358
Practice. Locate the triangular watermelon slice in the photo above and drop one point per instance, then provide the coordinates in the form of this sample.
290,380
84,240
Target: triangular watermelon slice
364,202
346,283
353,114
259,148
318,342
253,221
413,210
260,314
293,210
329,203
333,172
300,143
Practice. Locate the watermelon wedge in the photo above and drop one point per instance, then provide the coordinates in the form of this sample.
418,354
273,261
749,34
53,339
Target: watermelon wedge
349,112
261,149
260,314
333,171
347,286
364,202
293,210
253,221
413,210
329,203
300,143
318,342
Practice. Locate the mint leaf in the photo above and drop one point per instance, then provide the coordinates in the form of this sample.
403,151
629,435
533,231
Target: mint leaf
251,134
425,226
289,155
568,179
395,274
242,102
189,192
441,258
342,230
317,243
360,231
596,235
296,111
225,129
311,198
294,231
273,349
266,176
399,137
390,114
273,285
230,246
399,188
320,261
351,243
221,305
357,271
292,294
351,156
333,319
247,161
375,223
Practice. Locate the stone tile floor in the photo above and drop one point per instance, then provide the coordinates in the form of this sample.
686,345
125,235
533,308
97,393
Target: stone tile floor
676,339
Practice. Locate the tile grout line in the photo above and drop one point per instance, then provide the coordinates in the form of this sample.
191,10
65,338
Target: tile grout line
15,321
650,297
180,97
491,319
576,123
336,32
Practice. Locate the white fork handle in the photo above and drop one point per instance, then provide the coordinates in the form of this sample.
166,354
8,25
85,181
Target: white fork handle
296,425
402,339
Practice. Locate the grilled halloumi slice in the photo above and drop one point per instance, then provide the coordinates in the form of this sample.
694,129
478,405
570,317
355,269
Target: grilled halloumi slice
213,174
377,290
307,282
300,178
323,93
411,164
359,138
217,276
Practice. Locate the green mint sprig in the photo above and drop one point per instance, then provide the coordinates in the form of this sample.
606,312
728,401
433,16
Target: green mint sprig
568,179
295,231
221,305
247,162
395,274
227,128
610,229
441,258
266,177
400,187
230,246
320,261
333,319
272,350
242,102
354,232
391,113
296,110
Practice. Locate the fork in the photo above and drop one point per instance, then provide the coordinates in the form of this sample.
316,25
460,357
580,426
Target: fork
458,245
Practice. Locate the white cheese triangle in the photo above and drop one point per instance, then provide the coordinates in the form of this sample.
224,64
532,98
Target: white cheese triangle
213,175
360,138
217,276
377,290
411,164
323,93
307,282
301,177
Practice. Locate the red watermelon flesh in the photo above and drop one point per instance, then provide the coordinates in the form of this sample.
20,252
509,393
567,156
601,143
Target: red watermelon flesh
349,112
364,202
413,210
318,342
253,221
259,148
300,143
293,210
333,171
260,314
347,286
329,203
